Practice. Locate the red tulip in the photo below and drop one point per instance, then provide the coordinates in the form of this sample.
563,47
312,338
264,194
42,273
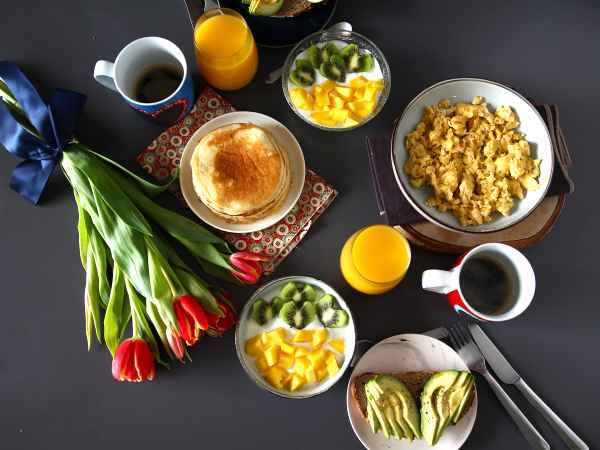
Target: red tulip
248,267
191,318
217,325
175,344
133,361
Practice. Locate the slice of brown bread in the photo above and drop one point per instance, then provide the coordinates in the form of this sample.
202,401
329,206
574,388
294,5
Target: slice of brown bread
414,381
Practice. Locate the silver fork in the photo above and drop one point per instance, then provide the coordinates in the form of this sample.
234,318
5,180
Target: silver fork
463,343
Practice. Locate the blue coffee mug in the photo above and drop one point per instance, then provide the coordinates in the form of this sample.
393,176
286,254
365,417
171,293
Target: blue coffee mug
136,59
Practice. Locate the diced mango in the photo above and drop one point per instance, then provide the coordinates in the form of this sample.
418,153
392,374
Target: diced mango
277,336
303,336
254,346
328,86
350,122
302,364
361,108
332,365
338,345
296,382
358,82
311,375
272,355
265,339
336,101
301,98
319,337
287,348
344,92
323,118
339,115
276,377
301,351
285,361
371,93
317,358
261,364
322,373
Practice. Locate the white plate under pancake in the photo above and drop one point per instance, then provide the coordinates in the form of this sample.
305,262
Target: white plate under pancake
286,141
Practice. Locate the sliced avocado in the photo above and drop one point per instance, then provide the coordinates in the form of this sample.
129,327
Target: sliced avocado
442,408
288,290
431,421
397,406
378,413
266,8
464,402
372,418
429,418
410,412
456,395
391,418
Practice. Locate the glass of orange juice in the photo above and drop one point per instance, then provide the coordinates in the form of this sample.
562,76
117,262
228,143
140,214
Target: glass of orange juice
375,259
225,49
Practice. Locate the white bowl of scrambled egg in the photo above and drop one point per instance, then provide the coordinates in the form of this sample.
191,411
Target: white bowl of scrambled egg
472,155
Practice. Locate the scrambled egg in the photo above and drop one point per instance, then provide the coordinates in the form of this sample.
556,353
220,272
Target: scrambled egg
474,159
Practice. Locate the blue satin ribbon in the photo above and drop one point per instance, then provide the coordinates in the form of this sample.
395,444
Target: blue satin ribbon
54,121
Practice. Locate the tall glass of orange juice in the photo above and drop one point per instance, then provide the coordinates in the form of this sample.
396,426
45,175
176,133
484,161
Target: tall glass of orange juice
375,259
225,49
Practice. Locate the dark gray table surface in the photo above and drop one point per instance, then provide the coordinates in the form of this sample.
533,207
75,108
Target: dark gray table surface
54,394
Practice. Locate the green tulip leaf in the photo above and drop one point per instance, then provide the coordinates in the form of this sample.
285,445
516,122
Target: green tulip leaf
118,313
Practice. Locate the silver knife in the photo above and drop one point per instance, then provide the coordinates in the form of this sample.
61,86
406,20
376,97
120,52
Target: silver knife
508,375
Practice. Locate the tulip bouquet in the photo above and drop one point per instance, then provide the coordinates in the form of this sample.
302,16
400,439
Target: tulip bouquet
134,277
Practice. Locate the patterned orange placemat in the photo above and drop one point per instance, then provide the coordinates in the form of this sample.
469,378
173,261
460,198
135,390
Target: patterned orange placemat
163,156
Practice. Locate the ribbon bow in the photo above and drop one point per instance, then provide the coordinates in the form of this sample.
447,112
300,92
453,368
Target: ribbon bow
54,123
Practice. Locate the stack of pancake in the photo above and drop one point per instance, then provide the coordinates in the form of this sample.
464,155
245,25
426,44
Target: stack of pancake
240,173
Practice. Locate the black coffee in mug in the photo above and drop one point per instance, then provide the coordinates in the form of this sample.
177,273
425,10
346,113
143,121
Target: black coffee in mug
486,285
157,83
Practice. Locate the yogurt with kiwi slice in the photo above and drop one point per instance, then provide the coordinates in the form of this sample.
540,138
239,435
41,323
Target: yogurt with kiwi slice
373,74
248,328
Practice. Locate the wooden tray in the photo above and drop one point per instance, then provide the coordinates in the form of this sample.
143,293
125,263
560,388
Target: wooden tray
524,234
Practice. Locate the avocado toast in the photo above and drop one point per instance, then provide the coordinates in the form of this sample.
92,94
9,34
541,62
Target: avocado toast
413,405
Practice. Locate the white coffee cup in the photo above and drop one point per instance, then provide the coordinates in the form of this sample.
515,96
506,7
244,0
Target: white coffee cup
513,263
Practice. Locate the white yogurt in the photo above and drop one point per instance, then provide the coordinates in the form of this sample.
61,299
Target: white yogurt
248,328
374,74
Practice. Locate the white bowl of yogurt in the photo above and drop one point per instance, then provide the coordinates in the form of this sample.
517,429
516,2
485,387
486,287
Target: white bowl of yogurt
247,328
341,38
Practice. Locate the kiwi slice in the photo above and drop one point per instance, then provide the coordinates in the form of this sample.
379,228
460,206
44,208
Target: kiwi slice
277,303
338,61
261,312
313,54
349,49
305,64
288,290
326,302
365,63
332,71
298,316
327,51
302,76
334,318
309,293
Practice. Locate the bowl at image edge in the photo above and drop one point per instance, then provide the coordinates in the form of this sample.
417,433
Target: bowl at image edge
268,291
348,37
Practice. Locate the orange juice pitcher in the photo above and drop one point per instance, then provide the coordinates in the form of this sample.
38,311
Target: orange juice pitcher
225,49
375,259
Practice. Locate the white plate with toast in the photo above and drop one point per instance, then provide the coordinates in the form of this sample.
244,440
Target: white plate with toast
398,355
